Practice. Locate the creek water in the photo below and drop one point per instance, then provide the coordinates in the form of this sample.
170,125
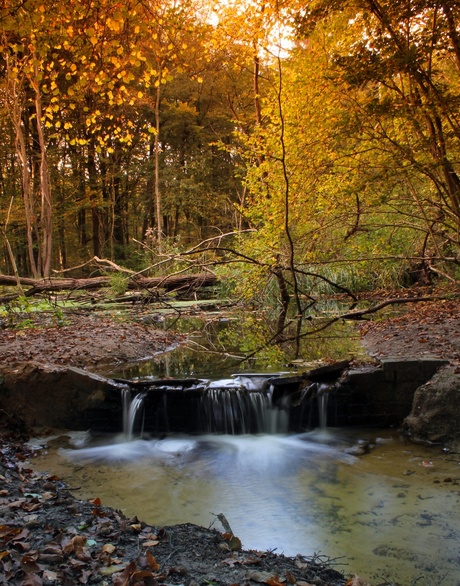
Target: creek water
391,515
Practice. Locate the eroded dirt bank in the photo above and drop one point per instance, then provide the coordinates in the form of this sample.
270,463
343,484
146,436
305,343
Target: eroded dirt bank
84,340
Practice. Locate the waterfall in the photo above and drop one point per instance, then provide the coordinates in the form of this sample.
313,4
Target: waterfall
241,405
315,397
132,411
237,410
322,394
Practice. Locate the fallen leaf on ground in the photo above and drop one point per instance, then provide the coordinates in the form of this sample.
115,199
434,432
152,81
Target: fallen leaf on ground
108,548
152,562
266,578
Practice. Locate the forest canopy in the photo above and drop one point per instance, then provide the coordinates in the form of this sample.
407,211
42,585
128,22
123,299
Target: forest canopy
312,144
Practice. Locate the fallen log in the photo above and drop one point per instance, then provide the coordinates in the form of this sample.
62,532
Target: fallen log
167,283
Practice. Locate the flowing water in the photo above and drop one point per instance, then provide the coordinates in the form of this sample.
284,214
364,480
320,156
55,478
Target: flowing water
391,515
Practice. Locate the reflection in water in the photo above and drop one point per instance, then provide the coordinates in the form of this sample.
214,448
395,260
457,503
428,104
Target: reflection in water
385,515
215,347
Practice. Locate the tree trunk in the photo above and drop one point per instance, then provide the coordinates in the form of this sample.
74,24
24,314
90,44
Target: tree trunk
95,217
15,112
285,300
157,165
46,213
168,283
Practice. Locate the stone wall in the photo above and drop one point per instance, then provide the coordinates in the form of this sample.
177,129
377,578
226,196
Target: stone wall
57,396
380,395
374,396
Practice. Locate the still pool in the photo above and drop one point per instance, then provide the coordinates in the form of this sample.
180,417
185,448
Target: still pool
391,515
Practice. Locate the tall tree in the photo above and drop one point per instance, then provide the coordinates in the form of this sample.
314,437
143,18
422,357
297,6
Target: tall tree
23,55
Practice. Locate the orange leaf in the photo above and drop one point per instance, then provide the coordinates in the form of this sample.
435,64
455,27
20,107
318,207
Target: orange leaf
152,562
124,578
75,544
273,581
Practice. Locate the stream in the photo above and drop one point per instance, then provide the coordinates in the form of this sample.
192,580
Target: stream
391,515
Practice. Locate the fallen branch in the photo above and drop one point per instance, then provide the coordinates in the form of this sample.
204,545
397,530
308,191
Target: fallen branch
168,283
98,262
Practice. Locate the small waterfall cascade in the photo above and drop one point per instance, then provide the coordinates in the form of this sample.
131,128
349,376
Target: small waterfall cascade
133,411
315,397
243,405
322,393
240,405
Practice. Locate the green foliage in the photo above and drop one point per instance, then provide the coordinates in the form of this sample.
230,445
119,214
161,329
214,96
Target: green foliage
344,163
118,283
250,333
23,312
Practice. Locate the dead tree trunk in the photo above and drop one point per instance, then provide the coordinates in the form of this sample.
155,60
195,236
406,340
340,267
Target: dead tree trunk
168,283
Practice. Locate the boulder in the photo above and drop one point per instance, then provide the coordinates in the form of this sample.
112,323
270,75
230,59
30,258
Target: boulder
60,396
435,414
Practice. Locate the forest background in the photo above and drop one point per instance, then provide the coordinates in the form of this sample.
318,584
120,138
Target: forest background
290,147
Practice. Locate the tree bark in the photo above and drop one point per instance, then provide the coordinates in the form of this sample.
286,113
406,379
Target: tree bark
15,112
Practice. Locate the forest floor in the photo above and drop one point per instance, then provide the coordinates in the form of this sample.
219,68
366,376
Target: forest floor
87,340
423,329
49,537
84,340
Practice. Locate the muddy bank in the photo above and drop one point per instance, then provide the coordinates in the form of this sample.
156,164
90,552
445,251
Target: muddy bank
91,341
